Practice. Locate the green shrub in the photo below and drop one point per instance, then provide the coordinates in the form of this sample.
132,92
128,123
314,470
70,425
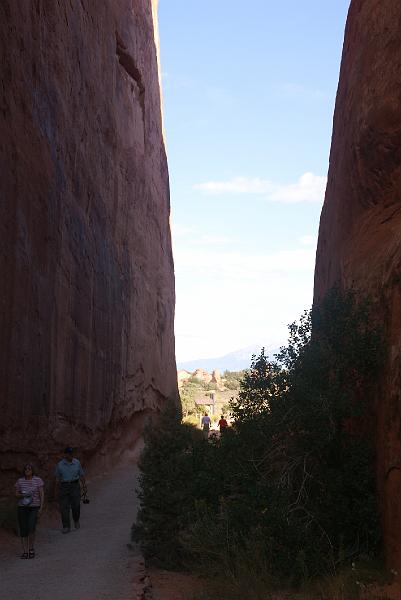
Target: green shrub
188,393
288,493
167,464
232,379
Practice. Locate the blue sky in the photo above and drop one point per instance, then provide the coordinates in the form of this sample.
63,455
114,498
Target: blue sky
249,94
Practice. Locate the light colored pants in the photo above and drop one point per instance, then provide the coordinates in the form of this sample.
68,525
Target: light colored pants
206,432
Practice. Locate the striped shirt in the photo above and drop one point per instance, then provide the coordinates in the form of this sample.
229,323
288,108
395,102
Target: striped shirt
32,486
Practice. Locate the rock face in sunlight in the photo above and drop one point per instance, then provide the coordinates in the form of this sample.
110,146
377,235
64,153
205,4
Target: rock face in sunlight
87,300
360,229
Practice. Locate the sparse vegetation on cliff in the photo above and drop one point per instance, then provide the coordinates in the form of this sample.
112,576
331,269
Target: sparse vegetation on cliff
232,379
289,492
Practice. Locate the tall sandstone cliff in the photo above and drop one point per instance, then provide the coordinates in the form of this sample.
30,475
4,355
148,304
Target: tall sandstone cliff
86,270
360,228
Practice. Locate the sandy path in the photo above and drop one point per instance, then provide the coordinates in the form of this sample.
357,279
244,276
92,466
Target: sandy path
93,563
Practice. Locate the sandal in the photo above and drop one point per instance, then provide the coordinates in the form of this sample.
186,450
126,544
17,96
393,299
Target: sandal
24,555
31,553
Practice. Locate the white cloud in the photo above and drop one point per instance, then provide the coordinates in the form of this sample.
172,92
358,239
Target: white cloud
308,188
295,90
216,314
211,240
189,234
228,299
181,231
308,240
238,266
238,185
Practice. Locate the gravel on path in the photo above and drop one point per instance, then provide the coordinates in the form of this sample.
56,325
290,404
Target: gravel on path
92,563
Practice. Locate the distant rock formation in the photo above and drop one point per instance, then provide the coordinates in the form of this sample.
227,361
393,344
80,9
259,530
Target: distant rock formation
216,377
87,300
360,229
202,375
183,376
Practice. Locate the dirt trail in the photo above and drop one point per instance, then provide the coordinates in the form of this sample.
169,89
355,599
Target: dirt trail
93,563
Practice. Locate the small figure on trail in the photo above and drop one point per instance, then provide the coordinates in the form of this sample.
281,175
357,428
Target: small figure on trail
29,491
222,424
68,491
206,425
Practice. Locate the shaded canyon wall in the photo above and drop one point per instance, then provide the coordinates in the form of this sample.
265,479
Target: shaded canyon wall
360,228
86,269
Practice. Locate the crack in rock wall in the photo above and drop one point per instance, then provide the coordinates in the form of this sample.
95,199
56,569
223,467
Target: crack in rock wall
87,298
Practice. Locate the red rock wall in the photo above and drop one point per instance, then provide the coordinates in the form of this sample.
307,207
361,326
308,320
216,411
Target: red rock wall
86,269
360,228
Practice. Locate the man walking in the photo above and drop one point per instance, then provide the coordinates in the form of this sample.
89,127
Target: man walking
68,490
223,424
206,422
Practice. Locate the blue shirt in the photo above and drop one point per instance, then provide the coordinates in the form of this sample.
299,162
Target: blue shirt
67,471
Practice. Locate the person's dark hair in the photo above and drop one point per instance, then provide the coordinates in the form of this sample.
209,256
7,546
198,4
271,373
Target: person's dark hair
28,465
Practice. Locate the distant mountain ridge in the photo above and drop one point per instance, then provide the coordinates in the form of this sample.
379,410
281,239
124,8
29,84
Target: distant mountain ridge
234,361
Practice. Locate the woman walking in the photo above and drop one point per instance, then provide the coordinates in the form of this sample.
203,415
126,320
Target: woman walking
29,491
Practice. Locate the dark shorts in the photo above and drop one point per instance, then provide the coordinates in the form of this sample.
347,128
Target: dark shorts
27,518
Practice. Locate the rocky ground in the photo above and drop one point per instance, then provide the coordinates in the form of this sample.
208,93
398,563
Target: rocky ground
170,585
